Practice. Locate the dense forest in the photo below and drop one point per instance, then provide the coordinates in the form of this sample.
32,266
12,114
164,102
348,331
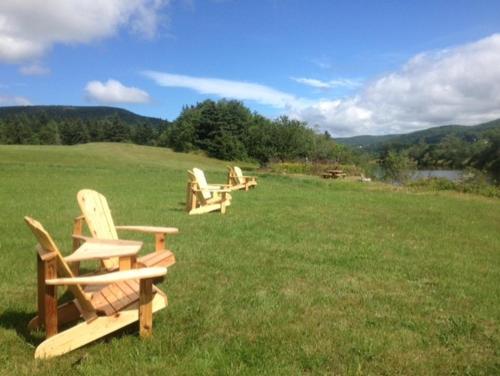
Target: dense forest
71,113
64,125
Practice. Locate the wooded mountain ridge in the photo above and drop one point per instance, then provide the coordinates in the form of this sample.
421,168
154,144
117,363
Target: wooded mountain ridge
84,113
428,136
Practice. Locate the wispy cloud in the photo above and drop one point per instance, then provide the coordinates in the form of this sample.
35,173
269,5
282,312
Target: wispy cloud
318,84
29,28
34,69
113,91
226,88
324,85
13,100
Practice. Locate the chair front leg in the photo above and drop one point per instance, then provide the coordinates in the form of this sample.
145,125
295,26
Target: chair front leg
146,308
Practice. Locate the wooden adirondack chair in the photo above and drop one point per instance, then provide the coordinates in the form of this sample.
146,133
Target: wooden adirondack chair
202,197
97,215
237,180
106,302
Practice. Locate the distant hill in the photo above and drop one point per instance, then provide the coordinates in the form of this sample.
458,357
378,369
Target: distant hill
429,136
89,113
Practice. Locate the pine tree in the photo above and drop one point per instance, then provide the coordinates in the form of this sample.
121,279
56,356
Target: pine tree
116,131
49,134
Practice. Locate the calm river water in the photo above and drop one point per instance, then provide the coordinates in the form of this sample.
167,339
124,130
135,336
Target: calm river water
452,175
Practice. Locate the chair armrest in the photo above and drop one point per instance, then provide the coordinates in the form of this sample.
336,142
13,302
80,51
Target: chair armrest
117,242
98,249
142,273
212,190
218,186
150,229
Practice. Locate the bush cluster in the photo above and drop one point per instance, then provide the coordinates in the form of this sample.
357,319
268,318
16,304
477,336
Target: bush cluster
229,130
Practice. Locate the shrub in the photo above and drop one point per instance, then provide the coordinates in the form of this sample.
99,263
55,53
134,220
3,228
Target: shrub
397,166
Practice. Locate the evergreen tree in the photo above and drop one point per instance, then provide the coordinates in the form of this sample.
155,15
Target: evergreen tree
3,133
95,130
73,132
49,134
116,131
143,134
18,131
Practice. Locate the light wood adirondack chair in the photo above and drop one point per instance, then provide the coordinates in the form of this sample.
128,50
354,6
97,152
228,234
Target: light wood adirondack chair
105,302
202,197
97,215
237,180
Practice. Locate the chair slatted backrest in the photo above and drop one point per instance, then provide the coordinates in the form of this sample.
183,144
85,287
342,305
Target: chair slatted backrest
239,175
202,183
95,209
47,246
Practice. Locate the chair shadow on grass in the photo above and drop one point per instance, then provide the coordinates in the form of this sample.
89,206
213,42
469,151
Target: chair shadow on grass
18,321
181,207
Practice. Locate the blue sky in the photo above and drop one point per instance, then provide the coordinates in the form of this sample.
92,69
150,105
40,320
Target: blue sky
350,67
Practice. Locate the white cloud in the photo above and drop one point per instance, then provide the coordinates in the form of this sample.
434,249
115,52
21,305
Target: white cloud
34,69
113,91
318,84
323,85
8,100
460,85
226,88
28,28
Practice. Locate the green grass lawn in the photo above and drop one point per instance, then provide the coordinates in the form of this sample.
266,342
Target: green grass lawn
300,276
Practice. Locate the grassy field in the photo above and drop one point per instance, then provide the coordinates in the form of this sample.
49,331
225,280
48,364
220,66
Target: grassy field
300,276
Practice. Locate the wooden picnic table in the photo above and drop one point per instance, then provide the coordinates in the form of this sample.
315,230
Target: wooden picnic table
333,174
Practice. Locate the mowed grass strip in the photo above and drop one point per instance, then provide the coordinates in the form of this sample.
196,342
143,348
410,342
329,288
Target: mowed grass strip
300,276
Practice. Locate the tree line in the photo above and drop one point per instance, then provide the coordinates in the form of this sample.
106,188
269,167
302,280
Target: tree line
22,129
224,129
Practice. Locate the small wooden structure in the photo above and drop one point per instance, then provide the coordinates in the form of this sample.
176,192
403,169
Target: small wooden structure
202,197
97,215
236,180
105,302
333,174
